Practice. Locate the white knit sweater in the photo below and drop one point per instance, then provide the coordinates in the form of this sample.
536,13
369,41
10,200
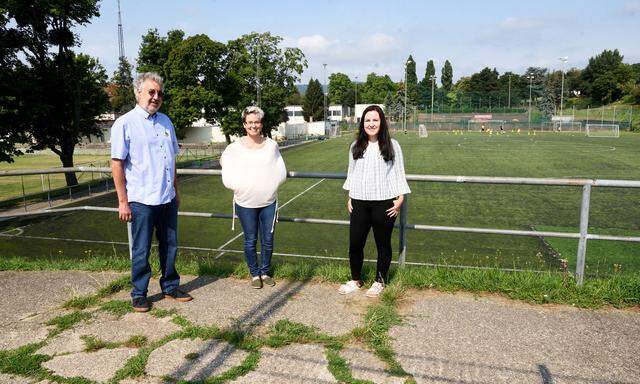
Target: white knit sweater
253,175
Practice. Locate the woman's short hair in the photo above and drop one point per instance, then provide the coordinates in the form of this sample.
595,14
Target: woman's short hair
252,109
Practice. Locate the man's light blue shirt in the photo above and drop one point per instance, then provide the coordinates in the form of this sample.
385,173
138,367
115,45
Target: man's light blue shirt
148,145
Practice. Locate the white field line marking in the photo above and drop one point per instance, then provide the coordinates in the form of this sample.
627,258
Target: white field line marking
279,208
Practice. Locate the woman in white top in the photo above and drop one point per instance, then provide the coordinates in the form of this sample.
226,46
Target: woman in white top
376,183
253,168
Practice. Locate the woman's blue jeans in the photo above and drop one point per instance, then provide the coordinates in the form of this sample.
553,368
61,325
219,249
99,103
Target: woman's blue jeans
254,221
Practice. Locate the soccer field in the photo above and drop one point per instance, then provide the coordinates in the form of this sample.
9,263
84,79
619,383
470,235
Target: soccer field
613,210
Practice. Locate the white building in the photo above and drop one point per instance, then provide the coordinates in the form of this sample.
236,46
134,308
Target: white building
294,112
203,132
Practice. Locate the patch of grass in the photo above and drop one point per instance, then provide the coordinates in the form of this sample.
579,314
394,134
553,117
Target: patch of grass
191,356
340,369
115,286
92,344
181,321
83,302
285,332
537,288
23,361
248,364
136,341
160,313
67,321
118,308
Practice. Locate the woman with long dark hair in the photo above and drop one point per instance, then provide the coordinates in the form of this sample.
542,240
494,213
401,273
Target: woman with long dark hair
376,183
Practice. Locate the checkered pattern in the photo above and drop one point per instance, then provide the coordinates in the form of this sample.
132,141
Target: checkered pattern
371,178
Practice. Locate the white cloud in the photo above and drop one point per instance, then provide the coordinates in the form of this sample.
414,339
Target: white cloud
378,42
632,7
315,44
514,23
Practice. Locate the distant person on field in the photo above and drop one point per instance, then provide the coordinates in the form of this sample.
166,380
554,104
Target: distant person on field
253,169
377,184
143,152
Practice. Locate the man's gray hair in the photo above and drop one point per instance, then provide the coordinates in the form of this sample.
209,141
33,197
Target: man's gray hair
142,77
252,109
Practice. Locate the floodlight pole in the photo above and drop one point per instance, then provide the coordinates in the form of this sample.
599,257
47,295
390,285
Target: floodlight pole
509,93
406,90
564,61
258,101
356,98
324,93
530,77
433,84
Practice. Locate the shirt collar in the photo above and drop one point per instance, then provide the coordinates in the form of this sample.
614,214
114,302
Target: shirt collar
141,111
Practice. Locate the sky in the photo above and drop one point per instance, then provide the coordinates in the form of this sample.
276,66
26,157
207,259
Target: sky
360,37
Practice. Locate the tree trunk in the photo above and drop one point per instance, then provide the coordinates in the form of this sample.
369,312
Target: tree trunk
66,156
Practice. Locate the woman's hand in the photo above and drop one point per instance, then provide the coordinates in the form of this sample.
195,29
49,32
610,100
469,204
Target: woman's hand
349,206
395,210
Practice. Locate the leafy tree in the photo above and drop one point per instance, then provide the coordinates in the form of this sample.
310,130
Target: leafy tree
195,71
635,69
412,81
10,87
154,50
537,87
424,87
122,97
313,105
294,97
280,68
376,88
340,89
446,79
606,78
70,86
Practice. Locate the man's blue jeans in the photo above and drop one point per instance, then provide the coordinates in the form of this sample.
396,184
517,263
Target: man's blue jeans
254,220
144,219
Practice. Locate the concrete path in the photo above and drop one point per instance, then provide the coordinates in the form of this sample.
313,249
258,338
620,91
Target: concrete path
234,332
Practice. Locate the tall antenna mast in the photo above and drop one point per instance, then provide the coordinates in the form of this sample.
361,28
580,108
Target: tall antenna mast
120,37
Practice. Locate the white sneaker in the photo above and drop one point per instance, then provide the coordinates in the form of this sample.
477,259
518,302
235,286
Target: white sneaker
349,287
375,290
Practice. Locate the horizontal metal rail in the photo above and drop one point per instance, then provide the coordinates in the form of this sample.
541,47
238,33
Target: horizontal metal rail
582,236
410,177
418,227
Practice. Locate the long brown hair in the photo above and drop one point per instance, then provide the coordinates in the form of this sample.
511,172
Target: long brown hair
384,139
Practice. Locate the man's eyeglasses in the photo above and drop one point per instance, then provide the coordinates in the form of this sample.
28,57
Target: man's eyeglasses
154,93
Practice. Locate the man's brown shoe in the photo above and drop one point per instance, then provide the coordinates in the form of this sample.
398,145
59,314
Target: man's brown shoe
178,295
140,304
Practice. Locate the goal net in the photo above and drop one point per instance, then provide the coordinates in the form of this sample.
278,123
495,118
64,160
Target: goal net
334,131
422,131
561,126
603,130
485,125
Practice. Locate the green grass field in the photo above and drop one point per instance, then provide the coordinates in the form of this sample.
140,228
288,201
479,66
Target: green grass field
11,187
613,210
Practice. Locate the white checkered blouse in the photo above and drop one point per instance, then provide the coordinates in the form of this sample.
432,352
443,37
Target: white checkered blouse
371,178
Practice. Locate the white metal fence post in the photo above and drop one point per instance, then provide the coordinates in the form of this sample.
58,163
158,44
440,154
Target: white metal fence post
403,232
584,226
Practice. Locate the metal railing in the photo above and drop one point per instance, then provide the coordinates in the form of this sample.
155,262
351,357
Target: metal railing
583,236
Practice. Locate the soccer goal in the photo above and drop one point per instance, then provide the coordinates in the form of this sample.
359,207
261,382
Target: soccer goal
422,131
603,130
334,131
561,126
485,125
